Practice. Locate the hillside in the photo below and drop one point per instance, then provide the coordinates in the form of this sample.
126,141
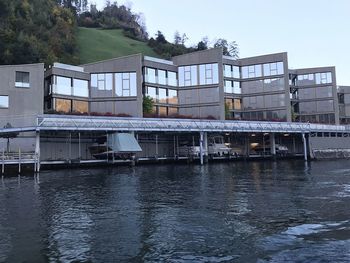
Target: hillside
99,44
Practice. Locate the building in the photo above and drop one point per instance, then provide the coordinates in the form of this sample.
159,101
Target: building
203,84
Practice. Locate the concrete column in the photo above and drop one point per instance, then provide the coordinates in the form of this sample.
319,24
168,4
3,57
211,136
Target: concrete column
156,145
79,146
205,146
201,135
70,147
305,146
37,150
272,144
107,146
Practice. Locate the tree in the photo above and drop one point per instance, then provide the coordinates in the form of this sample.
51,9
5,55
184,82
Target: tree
147,105
184,39
228,49
203,44
160,38
177,38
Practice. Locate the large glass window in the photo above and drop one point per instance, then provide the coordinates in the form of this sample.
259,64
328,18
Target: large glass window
188,76
208,74
252,71
150,74
275,68
4,101
323,78
232,87
125,84
172,78
80,88
22,79
102,81
62,105
162,98
152,92
172,96
63,86
80,106
162,77
231,71
172,111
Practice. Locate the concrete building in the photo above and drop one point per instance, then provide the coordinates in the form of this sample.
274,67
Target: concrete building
203,84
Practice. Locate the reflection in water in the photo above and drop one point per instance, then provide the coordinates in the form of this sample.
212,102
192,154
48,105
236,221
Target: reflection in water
246,211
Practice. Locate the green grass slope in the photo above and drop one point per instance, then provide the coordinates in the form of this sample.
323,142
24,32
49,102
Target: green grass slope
99,44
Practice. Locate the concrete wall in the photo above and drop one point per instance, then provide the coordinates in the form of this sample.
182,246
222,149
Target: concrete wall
24,103
324,143
110,102
204,100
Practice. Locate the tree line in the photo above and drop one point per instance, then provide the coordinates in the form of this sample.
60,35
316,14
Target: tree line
34,31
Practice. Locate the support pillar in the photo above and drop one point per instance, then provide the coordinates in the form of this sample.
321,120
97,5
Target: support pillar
156,146
37,150
107,146
201,135
305,146
205,146
272,144
79,145
70,147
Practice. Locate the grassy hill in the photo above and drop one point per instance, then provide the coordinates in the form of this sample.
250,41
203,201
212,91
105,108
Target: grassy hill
99,44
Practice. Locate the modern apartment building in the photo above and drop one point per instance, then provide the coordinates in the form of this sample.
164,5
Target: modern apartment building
203,84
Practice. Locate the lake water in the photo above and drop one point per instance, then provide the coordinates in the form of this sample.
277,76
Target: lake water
285,211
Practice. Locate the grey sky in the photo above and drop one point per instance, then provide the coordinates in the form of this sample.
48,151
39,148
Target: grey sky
313,32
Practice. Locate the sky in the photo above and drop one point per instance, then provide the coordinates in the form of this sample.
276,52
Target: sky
315,33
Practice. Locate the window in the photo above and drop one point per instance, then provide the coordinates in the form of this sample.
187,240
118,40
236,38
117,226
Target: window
162,98
173,111
80,106
22,79
208,74
172,96
232,87
63,86
172,78
125,84
252,71
150,74
162,77
323,78
275,68
231,71
62,105
162,111
4,101
102,81
152,92
80,88
188,76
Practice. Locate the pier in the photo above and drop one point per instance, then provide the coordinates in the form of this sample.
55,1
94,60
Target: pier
63,140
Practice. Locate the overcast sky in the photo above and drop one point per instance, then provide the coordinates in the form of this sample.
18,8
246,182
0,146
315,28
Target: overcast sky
315,33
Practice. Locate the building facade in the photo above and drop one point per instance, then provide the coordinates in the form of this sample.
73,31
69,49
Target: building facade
203,84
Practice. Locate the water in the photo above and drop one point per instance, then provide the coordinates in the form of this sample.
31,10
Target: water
229,212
